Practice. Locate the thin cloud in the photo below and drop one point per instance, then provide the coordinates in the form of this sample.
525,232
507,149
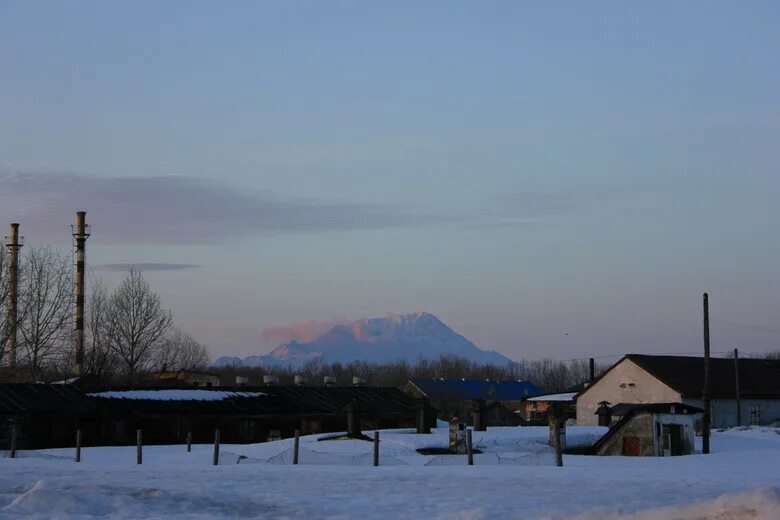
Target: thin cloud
146,266
183,210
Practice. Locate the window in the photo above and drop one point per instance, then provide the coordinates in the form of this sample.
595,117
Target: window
755,415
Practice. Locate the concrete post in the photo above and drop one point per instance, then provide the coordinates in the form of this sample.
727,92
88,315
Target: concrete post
457,436
353,419
423,413
479,411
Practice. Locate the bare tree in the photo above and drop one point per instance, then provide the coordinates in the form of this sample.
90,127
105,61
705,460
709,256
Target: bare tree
45,297
138,324
180,351
549,375
99,358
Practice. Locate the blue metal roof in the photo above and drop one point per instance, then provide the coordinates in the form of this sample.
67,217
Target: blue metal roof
468,389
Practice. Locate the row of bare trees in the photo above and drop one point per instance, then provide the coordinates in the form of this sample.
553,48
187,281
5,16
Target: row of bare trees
128,331
548,374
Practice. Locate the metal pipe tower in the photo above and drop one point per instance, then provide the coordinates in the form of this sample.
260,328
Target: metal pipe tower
14,243
81,232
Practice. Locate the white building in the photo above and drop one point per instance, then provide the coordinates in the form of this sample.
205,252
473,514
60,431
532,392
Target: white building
640,378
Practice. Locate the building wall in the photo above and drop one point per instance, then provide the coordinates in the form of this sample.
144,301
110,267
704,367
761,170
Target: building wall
640,427
688,432
199,379
643,428
646,389
535,412
202,380
724,411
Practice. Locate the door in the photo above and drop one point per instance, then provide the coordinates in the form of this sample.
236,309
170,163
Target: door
671,440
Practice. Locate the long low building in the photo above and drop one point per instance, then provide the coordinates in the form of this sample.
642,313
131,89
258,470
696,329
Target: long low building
494,401
48,415
639,379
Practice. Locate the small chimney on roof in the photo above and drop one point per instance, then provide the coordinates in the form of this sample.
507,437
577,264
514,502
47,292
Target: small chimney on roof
330,381
242,380
269,380
605,413
300,380
358,381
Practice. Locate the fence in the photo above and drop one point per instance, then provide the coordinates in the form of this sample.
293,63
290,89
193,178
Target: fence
297,454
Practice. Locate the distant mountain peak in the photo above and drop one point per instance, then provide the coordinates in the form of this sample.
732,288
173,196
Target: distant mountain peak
394,337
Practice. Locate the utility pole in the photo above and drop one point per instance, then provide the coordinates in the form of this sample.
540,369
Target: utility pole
705,395
14,243
736,383
80,234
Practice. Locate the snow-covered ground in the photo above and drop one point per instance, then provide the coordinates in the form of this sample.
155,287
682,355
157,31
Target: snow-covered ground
513,478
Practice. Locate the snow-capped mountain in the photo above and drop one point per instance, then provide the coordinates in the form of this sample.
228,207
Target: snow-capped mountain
409,337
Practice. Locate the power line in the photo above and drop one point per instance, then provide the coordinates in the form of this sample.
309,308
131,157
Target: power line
744,325
606,356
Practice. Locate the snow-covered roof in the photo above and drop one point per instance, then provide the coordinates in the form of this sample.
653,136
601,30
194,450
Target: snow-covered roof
569,396
174,395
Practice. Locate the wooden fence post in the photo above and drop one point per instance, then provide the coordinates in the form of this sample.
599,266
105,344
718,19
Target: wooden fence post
736,388
13,440
189,442
78,445
216,447
557,442
139,454
296,446
376,448
469,451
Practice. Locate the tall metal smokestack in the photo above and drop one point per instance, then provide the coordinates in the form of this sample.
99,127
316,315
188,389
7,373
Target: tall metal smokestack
80,234
14,242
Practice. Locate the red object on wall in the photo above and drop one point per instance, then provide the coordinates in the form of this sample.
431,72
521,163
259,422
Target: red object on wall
631,446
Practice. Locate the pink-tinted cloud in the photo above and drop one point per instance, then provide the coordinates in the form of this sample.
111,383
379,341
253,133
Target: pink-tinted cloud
301,332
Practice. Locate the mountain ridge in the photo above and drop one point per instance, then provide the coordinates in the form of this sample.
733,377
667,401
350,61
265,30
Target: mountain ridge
394,337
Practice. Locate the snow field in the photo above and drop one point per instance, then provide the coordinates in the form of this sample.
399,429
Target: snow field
740,480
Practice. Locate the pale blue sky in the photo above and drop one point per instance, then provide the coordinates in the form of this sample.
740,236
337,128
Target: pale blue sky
521,171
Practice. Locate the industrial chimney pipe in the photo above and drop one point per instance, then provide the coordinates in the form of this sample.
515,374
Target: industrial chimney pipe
14,242
81,232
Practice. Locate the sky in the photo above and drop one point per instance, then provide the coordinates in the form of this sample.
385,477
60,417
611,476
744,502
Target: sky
550,180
